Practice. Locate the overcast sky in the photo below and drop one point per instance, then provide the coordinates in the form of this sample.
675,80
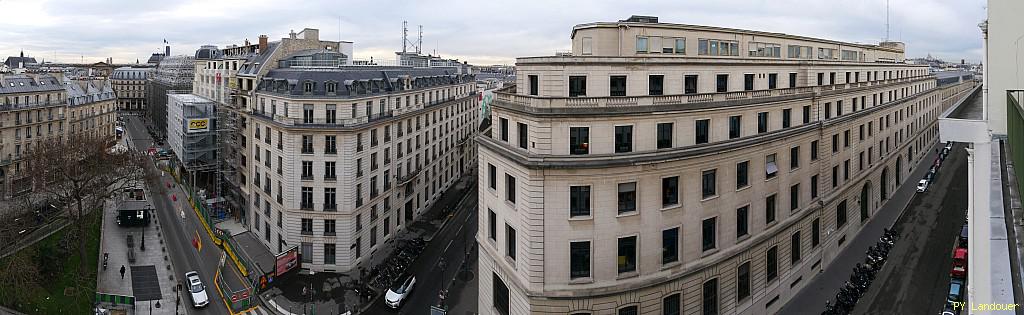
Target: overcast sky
481,32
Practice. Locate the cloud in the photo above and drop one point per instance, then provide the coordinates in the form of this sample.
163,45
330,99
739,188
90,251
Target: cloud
481,32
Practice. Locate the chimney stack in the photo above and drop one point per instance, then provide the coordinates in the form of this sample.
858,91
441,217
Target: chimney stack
263,43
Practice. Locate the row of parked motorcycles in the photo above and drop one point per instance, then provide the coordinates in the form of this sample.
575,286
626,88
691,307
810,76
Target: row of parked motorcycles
863,274
395,266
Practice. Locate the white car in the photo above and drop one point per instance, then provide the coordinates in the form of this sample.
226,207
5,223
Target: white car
196,290
922,185
399,291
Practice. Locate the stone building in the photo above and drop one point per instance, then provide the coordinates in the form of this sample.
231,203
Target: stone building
130,87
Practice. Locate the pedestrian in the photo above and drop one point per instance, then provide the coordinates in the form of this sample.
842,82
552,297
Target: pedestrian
122,272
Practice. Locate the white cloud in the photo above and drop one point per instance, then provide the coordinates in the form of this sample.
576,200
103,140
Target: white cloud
483,32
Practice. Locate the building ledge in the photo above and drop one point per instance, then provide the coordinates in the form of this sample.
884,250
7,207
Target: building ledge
965,121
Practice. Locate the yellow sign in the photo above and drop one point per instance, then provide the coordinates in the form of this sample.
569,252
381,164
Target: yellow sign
198,124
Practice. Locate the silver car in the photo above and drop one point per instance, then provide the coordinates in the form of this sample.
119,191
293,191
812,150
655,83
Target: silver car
196,290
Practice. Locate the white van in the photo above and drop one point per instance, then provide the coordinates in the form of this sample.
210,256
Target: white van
922,185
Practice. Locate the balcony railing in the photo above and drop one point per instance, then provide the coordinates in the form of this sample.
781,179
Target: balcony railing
306,206
626,101
318,122
30,105
330,207
408,177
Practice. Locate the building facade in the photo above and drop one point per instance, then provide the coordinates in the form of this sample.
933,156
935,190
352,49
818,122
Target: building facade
130,87
665,168
173,74
342,157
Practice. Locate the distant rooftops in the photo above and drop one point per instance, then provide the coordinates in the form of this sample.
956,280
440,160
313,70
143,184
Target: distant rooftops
356,81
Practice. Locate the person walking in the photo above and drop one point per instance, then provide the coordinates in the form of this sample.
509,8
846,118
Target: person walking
122,272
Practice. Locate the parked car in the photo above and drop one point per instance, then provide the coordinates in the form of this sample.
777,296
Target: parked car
949,310
962,242
938,162
949,146
922,185
959,270
197,290
399,291
956,291
930,177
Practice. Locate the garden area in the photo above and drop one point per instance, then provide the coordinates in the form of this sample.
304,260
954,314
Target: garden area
54,275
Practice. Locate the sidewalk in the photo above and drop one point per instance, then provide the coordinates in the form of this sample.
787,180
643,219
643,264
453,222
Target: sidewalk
823,287
332,292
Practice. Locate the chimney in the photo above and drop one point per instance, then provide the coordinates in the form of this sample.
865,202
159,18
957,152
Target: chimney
291,34
167,51
263,43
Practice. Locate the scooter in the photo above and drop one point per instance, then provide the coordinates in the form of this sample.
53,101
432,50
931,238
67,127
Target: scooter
106,257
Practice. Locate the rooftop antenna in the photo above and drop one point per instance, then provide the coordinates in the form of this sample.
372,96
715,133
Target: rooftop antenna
405,35
886,20
419,42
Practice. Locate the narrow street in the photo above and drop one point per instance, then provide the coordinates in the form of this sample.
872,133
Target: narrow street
915,278
179,231
452,243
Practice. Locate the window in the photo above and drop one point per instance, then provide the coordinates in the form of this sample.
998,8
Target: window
814,186
690,84
307,226
510,242
846,138
794,158
534,84
623,139
307,198
841,214
708,234
680,45
794,253
742,225
743,281
769,209
331,144
627,254
492,177
748,82
492,225
641,44
629,310
307,170
665,135
523,136
588,45
579,259
815,231
504,129
307,144
330,199
771,264
722,83
672,305
670,245
579,201
770,168
617,85
794,197
500,294
307,252
709,305
773,80
655,84
577,86
329,254
835,176
814,150
702,127
627,197
735,125
510,188
762,122
801,52
807,114
708,185
579,140
670,191
329,227
714,47
828,110
792,80
742,178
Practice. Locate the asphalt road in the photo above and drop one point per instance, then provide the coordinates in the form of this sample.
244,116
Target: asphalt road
915,278
178,234
451,243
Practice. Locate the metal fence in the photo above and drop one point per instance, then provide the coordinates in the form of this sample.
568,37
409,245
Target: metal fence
1015,129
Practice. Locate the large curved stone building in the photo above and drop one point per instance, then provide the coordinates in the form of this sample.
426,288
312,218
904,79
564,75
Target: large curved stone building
666,168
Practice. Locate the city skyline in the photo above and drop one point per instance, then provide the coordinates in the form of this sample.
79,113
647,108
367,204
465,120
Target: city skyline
126,31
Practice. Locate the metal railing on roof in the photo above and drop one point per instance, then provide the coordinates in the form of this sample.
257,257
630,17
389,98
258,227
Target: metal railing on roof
320,122
623,101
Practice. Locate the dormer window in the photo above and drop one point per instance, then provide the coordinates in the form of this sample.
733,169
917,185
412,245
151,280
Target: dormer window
308,87
332,87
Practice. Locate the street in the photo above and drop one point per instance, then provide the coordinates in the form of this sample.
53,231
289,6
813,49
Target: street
178,232
452,243
915,278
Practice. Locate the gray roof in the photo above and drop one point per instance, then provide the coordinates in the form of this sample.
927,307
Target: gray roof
13,61
358,81
81,92
28,83
253,64
129,73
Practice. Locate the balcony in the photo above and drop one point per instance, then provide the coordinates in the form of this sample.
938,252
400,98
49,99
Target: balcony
306,206
330,207
306,177
317,122
31,105
408,177
540,102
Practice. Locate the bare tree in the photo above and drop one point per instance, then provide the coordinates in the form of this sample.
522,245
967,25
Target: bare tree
80,173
